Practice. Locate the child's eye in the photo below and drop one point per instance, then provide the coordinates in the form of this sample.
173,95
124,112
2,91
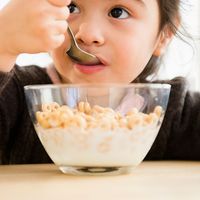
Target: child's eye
73,8
119,13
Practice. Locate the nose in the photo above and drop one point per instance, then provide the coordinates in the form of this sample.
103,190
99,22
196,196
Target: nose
89,34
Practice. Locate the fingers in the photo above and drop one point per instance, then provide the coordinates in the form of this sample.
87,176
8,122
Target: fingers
57,40
59,27
55,35
59,3
52,26
50,43
61,13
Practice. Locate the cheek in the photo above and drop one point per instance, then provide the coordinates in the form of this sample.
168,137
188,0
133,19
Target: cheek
132,59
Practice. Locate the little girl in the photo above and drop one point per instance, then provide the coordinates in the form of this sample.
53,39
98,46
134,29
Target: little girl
128,37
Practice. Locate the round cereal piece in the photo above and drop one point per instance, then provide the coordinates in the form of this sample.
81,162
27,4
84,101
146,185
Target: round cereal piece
92,124
66,110
42,119
87,108
109,111
54,106
95,115
65,120
132,111
79,121
118,116
65,124
89,118
158,111
81,106
45,124
154,117
122,123
54,119
98,109
40,116
53,123
64,117
46,107
134,120
100,116
150,119
50,107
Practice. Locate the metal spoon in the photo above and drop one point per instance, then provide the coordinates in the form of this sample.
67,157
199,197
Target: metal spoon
78,55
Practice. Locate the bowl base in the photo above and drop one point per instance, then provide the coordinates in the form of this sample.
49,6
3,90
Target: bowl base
95,170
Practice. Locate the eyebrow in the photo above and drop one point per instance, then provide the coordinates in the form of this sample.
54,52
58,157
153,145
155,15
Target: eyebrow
141,2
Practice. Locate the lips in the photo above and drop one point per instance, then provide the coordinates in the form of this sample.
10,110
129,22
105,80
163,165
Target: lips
91,69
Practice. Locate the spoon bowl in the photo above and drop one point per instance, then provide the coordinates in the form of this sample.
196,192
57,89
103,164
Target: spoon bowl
78,55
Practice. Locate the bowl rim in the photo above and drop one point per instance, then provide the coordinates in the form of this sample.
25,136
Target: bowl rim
99,85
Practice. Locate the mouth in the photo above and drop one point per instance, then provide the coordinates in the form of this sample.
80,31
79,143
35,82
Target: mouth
91,69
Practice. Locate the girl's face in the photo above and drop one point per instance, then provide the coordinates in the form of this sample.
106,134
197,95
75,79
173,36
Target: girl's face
123,34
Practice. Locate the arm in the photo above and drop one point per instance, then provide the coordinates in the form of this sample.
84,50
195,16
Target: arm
10,110
179,135
31,27
184,140
7,61
18,140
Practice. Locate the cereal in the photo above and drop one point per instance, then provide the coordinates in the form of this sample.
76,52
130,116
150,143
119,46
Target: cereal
134,120
87,108
122,122
81,106
66,110
98,109
158,111
132,112
86,117
80,121
50,107
84,107
96,136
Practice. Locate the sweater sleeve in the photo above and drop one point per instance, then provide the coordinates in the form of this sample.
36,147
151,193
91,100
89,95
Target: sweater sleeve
10,110
179,135
17,135
184,140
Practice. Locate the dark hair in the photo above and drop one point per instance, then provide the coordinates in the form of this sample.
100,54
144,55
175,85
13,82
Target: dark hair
169,14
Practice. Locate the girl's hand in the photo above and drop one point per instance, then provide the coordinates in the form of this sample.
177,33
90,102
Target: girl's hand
32,26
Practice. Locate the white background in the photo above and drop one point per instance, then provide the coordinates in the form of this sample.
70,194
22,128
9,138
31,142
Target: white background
181,60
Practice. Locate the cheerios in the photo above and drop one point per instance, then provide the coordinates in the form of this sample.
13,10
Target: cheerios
86,117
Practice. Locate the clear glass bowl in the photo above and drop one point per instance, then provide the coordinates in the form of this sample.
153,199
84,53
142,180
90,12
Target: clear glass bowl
97,129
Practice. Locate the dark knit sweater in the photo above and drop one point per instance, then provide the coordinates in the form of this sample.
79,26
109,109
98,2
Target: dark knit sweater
178,138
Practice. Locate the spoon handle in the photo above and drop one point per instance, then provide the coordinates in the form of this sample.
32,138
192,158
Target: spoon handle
73,40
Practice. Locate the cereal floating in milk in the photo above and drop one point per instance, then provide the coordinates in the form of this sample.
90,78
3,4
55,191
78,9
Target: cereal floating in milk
86,116
96,136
